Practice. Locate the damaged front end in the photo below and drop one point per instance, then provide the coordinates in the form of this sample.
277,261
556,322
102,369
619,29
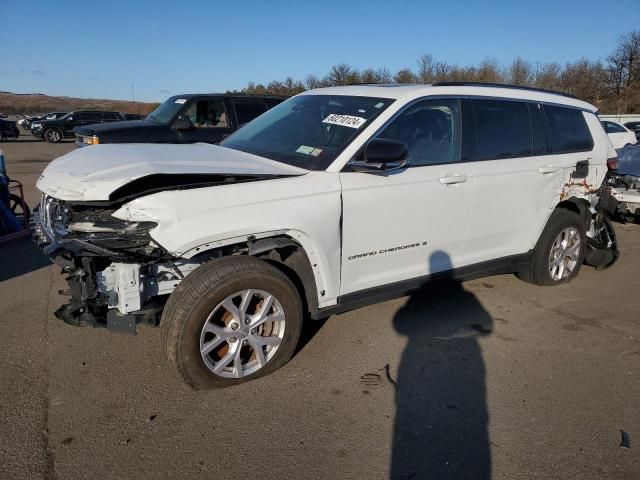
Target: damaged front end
116,273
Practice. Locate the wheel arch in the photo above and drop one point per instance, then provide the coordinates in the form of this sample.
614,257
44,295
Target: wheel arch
581,206
289,255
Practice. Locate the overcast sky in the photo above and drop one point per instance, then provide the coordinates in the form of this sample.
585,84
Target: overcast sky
98,49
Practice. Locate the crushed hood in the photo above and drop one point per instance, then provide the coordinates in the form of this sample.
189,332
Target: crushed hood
93,173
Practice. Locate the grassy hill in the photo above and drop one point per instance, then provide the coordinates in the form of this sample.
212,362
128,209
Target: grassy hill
16,103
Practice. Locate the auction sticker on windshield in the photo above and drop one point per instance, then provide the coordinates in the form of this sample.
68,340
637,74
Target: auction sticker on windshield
344,120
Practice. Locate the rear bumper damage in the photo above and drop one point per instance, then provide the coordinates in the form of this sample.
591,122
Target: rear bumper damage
602,246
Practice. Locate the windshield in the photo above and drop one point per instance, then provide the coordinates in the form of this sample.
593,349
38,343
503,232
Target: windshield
307,131
167,110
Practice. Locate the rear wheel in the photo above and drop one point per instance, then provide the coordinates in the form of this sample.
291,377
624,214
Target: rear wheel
52,135
230,321
559,253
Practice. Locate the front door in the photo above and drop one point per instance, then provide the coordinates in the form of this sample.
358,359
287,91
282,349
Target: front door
209,119
407,223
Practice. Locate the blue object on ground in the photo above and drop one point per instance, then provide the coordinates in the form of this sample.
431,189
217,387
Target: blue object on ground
8,221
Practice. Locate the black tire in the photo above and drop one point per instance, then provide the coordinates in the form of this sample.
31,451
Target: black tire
538,272
198,295
52,135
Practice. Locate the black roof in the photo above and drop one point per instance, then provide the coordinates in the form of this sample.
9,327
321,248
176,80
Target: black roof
226,95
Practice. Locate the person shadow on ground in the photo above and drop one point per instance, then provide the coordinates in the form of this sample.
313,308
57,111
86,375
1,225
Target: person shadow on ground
440,429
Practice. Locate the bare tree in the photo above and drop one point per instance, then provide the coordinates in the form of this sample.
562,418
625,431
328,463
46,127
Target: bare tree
343,74
489,71
312,82
426,73
612,87
404,75
520,72
384,75
441,71
548,76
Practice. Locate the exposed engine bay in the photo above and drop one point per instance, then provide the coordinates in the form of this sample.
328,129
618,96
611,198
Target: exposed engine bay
626,189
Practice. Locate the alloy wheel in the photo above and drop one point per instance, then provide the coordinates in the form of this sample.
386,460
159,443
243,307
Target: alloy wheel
565,253
242,333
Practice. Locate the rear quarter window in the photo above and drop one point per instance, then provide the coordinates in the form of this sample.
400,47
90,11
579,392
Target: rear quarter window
568,130
247,111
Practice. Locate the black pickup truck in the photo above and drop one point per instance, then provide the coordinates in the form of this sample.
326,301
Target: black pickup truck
182,119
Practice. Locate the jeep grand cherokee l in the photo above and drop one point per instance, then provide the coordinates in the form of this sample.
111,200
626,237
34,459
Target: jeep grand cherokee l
335,198
182,119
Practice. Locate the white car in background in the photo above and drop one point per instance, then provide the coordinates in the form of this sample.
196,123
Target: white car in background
619,135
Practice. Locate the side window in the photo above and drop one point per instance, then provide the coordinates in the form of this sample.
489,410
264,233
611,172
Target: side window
539,129
247,111
110,116
431,131
207,114
568,130
611,127
503,129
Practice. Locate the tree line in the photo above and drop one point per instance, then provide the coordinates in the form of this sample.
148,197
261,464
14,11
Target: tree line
611,84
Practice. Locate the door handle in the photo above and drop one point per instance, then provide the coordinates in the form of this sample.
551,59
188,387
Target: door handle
453,179
548,169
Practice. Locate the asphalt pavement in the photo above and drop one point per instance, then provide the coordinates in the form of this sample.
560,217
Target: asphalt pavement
492,378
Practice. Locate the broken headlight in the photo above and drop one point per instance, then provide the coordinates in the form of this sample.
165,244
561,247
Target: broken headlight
97,226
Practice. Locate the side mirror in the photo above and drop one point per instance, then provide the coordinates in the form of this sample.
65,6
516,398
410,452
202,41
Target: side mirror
69,119
182,123
381,155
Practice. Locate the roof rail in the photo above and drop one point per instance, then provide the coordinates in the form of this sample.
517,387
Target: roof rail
499,85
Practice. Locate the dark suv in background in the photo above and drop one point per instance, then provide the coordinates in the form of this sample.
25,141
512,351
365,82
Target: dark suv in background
186,118
59,128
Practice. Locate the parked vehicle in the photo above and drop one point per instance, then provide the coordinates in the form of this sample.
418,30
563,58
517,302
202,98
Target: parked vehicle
56,129
27,121
182,119
625,184
133,116
8,130
619,135
634,127
334,199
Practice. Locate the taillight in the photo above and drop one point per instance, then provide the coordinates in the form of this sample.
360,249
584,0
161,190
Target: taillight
613,163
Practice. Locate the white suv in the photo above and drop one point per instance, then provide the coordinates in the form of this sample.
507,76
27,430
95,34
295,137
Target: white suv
334,199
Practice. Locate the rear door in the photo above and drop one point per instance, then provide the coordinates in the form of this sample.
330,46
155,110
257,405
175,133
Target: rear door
520,166
81,119
209,119
404,224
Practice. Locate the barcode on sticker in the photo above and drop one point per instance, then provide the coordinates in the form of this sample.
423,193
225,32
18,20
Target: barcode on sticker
344,120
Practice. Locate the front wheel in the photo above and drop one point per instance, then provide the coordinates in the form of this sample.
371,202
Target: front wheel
559,253
52,135
230,321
